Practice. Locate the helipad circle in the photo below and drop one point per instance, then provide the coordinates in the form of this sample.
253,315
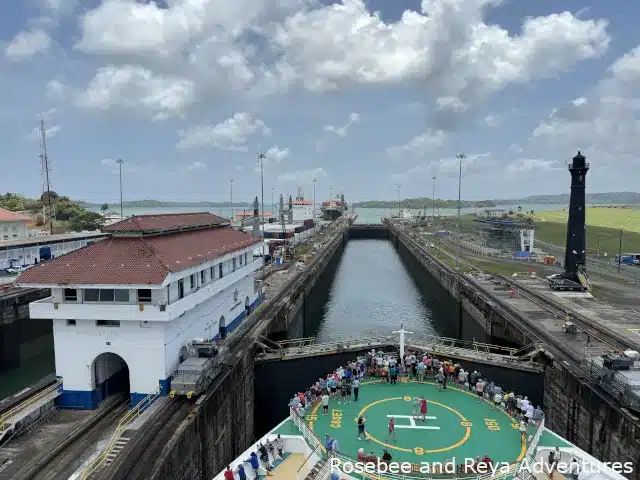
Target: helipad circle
460,442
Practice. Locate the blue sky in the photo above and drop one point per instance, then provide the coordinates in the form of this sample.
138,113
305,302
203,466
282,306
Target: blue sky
188,92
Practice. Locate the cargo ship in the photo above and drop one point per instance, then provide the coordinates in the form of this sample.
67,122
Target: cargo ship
334,208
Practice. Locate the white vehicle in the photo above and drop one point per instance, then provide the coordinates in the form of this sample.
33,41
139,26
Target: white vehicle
17,270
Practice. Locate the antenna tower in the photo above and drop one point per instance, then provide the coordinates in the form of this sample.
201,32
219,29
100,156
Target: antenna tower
48,206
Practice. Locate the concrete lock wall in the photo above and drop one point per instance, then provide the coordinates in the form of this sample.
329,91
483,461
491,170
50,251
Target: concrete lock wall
582,413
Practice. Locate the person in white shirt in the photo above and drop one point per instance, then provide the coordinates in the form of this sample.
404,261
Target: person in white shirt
529,413
325,404
524,405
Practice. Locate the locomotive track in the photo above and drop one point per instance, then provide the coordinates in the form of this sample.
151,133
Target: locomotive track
67,457
143,465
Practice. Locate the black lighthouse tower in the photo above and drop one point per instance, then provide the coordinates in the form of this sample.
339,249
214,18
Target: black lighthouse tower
574,275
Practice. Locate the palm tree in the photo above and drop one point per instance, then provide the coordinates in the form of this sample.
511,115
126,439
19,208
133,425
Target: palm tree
104,207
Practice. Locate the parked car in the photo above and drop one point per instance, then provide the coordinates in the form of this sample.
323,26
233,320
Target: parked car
17,270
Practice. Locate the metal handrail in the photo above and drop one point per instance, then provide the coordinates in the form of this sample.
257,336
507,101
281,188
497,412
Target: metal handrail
308,465
124,422
21,407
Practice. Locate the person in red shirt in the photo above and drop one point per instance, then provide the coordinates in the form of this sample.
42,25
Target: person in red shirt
228,474
423,409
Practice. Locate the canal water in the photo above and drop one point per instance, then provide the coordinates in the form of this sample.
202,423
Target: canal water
372,290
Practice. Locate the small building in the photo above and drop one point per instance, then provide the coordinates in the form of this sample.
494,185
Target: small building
126,309
33,250
13,225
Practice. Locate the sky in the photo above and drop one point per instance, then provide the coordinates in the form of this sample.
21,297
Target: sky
364,96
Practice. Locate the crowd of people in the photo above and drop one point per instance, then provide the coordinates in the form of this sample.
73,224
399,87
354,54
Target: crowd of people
343,385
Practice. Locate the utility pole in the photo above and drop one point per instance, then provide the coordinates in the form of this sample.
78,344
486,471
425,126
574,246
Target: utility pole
460,157
120,162
315,180
273,205
46,170
620,253
231,197
433,201
398,192
261,158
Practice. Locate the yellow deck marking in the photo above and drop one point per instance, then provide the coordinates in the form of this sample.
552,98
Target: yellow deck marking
464,439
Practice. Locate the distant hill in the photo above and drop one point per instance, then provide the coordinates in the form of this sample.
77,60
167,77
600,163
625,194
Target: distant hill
609,198
163,204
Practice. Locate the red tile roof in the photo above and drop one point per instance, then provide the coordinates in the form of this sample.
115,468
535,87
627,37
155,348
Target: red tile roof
165,221
9,216
137,260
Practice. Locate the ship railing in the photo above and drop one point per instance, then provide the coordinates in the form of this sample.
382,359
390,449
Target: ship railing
101,460
529,459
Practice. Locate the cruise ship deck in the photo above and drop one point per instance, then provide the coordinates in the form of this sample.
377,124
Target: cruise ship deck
458,425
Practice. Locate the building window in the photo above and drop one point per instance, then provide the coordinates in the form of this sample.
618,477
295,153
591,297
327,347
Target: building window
180,289
203,275
246,262
107,323
220,270
240,257
106,295
144,295
192,281
71,323
211,273
70,295
233,261
91,295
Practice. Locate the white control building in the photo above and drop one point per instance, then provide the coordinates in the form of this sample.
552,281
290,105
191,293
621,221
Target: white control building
126,308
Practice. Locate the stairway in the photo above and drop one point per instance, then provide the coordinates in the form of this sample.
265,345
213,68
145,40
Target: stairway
313,474
117,448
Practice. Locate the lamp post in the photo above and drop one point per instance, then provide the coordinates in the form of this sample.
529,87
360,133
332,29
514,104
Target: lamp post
315,180
460,157
433,201
120,162
231,197
261,158
398,192
273,205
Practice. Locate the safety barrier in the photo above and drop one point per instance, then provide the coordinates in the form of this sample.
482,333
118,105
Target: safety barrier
307,466
23,407
124,422
343,460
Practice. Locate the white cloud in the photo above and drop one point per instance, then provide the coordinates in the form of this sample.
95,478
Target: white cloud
492,121
448,167
231,134
276,154
51,131
112,165
27,44
342,131
56,90
302,177
196,166
134,87
603,123
531,165
420,145
205,46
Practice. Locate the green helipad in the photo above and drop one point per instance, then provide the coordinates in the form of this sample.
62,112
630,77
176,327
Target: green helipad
458,425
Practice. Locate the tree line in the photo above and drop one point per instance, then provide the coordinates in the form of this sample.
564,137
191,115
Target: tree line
69,216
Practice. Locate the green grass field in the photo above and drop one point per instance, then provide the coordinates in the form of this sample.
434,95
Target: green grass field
603,229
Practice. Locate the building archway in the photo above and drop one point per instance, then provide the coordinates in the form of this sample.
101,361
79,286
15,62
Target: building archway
247,306
184,353
222,327
110,374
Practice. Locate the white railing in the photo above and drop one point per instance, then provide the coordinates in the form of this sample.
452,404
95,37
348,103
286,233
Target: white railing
101,460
